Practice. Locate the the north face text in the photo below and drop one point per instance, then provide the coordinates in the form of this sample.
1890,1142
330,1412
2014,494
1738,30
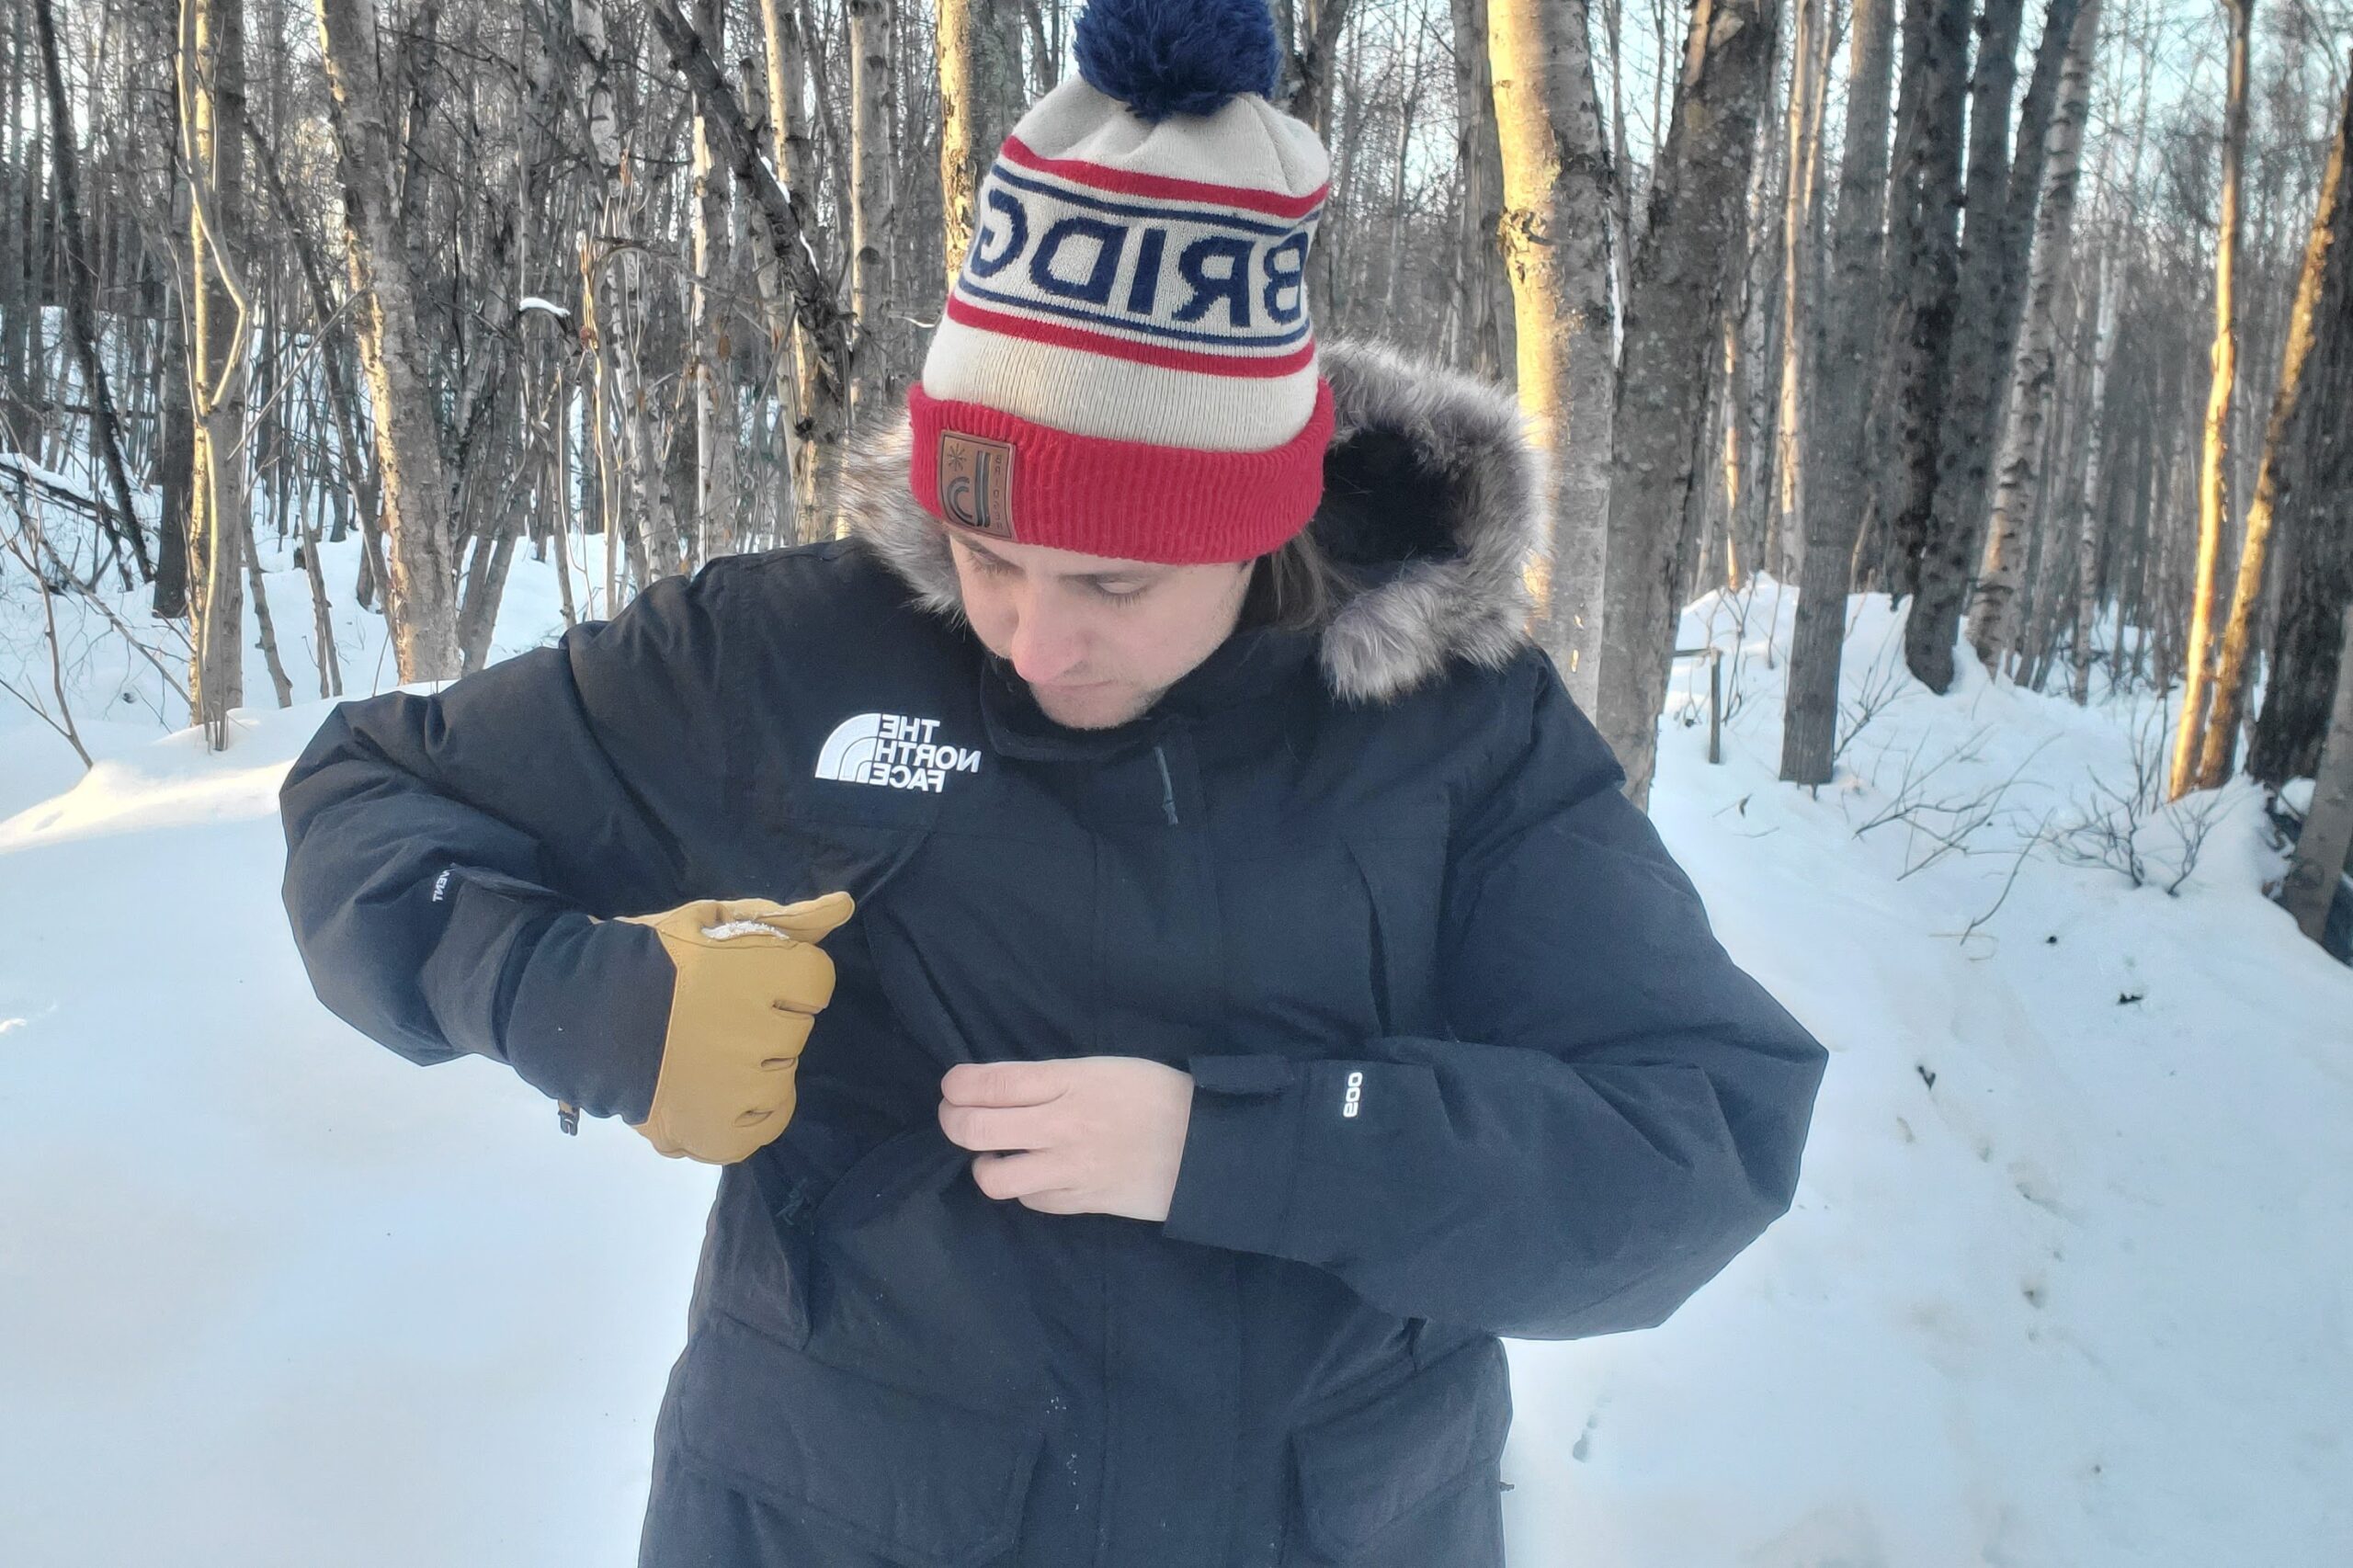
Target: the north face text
897,751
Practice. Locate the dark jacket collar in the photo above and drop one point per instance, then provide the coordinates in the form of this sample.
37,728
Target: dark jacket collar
1433,504
1246,665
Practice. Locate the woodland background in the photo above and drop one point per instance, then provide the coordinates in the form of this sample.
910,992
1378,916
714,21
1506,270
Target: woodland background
1952,516
2037,319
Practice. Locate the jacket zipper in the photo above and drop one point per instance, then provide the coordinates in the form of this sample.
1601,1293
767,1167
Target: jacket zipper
1167,785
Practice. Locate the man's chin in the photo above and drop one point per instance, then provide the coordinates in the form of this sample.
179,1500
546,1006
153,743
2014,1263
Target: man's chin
1105,707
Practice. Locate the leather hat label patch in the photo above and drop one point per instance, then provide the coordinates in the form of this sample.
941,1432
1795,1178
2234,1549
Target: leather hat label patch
976,482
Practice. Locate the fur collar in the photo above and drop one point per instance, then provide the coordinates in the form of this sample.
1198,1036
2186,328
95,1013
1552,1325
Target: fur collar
1433,505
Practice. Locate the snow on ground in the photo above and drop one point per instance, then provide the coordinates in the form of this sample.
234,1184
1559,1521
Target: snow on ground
2082,1299
2065,1283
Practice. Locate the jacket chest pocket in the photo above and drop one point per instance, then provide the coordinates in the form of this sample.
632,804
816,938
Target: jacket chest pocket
986,945
811,836
1332,937
1404,878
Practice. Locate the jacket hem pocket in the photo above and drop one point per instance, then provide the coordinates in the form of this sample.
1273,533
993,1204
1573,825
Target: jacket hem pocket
1374,1466
922,1483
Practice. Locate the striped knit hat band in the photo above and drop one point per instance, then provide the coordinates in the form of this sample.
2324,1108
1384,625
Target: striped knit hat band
1126,366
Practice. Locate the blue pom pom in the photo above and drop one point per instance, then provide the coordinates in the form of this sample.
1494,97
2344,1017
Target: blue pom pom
1170,57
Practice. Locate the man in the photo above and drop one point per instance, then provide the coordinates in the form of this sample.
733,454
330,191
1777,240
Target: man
1244,993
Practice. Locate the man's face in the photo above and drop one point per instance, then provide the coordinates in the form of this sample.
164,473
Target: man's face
1096,639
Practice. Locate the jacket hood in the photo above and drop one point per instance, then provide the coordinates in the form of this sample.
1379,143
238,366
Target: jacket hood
1432,509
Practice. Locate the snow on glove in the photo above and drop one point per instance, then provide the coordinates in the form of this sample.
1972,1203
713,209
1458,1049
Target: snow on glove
751,980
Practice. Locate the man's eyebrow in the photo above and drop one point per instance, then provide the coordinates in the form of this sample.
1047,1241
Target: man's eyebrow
1117,574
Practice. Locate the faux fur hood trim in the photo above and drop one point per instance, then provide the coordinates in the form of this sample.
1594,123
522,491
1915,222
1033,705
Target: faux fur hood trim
1433,507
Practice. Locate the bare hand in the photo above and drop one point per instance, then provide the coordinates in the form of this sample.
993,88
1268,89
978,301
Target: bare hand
1083,1135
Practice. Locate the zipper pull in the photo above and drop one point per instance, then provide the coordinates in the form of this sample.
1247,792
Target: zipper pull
1167,785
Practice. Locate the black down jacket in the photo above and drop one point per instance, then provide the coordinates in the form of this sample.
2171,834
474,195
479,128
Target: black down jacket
1467,1061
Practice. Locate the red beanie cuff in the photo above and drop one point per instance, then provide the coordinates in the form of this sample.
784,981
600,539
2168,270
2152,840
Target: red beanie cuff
1012,479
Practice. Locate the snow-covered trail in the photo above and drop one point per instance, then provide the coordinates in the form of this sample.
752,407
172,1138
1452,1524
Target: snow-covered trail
270,1295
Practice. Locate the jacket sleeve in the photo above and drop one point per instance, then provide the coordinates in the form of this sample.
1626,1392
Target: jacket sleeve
453,860
1622,1112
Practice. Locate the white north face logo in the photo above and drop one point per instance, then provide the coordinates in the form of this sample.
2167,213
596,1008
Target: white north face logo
895,750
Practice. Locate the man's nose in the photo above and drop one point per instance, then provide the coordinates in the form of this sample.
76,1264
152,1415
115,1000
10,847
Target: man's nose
1046,645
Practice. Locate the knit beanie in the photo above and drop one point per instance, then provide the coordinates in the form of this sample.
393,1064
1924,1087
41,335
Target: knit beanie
1125,367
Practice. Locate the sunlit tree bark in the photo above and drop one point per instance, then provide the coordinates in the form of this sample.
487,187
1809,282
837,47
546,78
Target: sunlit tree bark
1556,248
2324,250
980,98
2214,450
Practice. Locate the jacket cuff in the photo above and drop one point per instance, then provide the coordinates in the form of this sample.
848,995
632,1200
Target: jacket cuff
1240,1159
490,924
578,1007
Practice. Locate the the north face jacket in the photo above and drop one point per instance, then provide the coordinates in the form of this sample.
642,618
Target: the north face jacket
1467,1061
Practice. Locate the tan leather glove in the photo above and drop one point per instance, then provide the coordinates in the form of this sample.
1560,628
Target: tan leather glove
750,983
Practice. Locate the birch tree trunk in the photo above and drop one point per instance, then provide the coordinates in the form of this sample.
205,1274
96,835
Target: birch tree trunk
2324,250
421,606
980,98
1556,244
780,212
174,438
2087,527
1482,287
820,384
1975,372
2001,203
1681,275
1924,265
1750,391
1837,490
1319,24
80,313
280,687
15,292
716,422
617,275
1622,163
1312,97
2328,835
1993,617
2057,493
1809,84
869,157
1877,565
1393,259
2214,453
2314,511
212,94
